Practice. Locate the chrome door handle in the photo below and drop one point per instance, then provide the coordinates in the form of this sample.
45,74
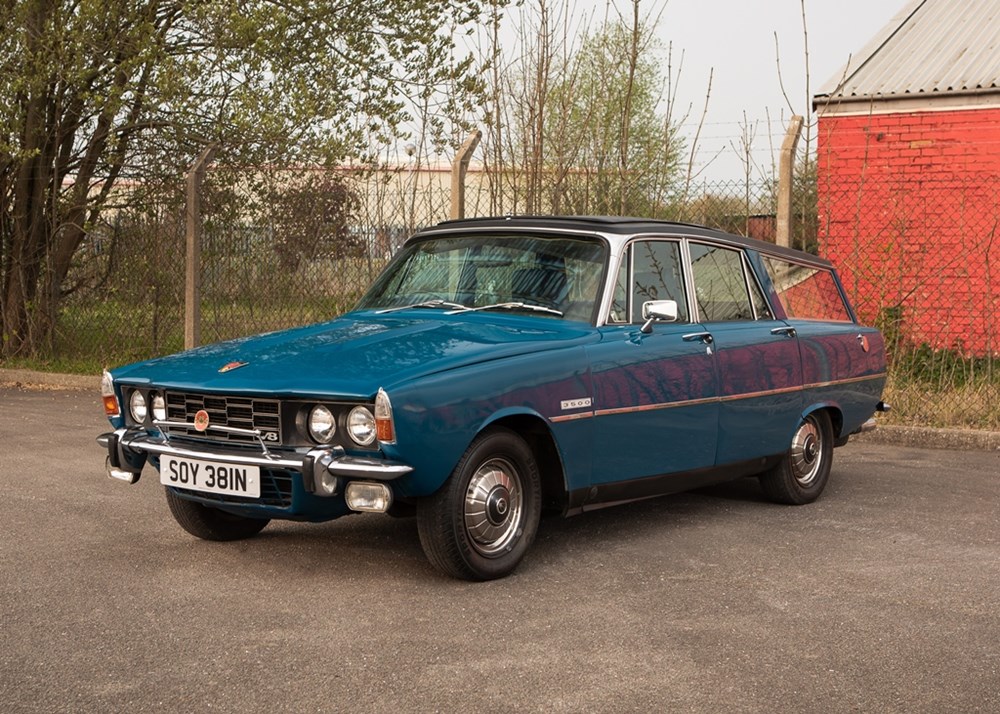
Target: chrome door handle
705,337
787,331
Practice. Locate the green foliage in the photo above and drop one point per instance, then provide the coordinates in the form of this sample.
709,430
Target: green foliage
310,219
95,93
580,124
612,147
928,366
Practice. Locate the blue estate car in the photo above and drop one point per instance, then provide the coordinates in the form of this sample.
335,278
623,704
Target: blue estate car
501,366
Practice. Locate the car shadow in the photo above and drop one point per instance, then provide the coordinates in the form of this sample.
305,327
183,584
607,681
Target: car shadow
380,547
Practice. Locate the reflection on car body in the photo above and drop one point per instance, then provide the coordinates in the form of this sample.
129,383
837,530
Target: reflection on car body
499,366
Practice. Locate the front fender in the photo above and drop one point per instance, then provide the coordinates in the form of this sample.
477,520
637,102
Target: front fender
437,417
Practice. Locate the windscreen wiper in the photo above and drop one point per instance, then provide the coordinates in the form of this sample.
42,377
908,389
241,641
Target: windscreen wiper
426,303
509,306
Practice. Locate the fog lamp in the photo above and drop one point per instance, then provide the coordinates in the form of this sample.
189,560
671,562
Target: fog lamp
371,497
121,474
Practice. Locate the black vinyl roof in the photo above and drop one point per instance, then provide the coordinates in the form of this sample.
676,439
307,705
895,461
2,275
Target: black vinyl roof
626,226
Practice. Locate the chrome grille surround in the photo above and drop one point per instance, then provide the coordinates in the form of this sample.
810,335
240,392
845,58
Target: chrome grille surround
223,410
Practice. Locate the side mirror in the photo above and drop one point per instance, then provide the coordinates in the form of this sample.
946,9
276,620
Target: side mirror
658,311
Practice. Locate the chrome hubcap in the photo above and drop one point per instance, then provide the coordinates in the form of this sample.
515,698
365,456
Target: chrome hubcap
493,506
807,452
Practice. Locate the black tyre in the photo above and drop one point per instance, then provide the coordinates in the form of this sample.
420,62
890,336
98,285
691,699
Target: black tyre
802,474
211,523
481,522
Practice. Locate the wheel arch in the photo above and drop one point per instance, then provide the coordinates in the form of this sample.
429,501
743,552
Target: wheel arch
536,433
832,410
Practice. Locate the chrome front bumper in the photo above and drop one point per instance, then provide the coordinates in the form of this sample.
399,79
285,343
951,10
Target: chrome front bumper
128,450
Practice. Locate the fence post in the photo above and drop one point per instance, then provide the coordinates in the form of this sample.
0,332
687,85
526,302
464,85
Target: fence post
786,169
459,167
192,263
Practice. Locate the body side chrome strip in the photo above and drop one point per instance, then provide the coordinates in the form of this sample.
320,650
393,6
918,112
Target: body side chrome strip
709,400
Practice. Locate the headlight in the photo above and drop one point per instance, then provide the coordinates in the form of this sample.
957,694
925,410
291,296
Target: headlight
159,406
322,424
361,425
137,406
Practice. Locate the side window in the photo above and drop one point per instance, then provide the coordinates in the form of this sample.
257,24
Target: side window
807,292
720,285
651,270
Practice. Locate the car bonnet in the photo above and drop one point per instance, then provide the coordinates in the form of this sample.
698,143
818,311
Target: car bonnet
354,355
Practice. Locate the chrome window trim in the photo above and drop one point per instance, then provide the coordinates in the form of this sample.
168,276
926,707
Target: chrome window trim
612,241
694,314
753,279
627,251
618,243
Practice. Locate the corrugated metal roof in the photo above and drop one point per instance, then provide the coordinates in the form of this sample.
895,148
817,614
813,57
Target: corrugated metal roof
931,47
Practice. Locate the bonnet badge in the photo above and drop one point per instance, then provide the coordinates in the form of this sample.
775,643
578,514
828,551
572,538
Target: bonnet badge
231,366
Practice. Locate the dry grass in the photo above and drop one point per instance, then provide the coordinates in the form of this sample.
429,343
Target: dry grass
975,406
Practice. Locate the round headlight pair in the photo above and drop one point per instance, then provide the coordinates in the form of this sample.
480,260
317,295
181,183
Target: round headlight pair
139,408
360,425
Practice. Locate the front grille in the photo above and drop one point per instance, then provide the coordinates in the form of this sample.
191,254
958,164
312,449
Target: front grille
238,412
275,490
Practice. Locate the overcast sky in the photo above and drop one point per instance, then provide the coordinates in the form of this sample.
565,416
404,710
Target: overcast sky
735,40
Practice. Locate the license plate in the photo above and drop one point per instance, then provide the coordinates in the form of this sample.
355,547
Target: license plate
210,476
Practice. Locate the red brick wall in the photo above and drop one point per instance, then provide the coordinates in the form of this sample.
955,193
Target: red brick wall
909,206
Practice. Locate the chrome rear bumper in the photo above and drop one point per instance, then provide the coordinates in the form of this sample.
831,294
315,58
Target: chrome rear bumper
869,425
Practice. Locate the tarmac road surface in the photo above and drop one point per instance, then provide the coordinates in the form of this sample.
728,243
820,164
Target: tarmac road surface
884,596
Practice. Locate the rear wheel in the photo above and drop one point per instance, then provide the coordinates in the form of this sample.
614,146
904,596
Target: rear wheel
802,473
210,523
479,525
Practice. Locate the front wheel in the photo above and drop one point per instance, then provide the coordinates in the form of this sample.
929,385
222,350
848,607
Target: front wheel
803,471
480,523
211,523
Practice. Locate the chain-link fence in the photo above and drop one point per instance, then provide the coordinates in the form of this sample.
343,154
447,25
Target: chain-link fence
298,247
919,260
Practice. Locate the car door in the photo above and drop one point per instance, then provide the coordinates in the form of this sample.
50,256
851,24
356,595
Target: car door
758,363
655,401
842,362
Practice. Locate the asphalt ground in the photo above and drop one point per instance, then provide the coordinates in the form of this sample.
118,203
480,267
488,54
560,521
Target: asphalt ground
880,597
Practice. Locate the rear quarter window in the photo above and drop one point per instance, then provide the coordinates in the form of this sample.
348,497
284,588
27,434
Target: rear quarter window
807,292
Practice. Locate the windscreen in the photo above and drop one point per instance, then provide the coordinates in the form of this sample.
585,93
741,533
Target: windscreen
559,277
